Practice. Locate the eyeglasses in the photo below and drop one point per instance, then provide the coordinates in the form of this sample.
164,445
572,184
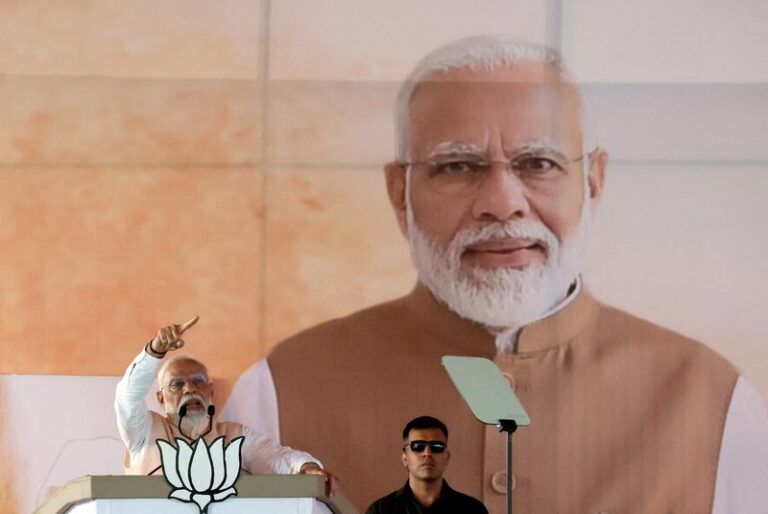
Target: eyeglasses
177,384
462,173
420,446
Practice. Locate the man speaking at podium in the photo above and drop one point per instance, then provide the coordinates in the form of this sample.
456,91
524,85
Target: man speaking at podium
186,394
494,185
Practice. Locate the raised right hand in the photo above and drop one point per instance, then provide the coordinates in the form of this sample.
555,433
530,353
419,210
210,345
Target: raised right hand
169,338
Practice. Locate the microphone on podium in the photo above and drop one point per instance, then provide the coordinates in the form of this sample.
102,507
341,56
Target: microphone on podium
183,412
211,412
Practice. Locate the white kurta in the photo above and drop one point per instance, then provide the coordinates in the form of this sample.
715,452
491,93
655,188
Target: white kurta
260,453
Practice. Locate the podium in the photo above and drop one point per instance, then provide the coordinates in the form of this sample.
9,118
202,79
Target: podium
256,494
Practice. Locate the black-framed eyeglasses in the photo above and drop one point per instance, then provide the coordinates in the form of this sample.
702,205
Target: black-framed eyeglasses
420,446
459,173
198,380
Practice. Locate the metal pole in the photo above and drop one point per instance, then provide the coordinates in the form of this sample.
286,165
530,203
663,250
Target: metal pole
509,472
509,426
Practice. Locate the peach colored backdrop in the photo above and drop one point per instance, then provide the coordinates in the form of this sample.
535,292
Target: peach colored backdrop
161,159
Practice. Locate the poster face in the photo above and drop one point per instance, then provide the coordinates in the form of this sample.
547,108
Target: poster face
226,160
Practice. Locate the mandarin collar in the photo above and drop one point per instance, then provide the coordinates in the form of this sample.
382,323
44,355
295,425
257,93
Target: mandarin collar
560,327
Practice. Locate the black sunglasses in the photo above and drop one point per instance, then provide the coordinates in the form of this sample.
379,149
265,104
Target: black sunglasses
420,446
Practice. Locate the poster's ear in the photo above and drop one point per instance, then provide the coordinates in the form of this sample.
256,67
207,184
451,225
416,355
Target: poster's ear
598,161
394,173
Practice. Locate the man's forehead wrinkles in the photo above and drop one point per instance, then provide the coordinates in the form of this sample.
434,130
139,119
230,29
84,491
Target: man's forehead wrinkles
455,147
542,143
188,374
546,143
180,373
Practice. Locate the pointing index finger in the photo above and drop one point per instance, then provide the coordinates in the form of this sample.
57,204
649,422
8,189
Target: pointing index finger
189,324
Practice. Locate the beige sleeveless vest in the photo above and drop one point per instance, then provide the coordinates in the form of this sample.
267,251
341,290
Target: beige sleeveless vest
162,428
626,416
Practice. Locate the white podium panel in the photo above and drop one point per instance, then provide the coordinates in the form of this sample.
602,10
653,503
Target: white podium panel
230,506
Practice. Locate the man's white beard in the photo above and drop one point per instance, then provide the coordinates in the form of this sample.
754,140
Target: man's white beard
194,418
500,299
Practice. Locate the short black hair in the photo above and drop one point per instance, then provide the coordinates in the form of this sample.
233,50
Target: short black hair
423,422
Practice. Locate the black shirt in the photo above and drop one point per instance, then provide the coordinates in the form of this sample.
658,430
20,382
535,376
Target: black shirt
403,501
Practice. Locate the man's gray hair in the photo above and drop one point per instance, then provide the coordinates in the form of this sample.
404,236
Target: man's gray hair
163,371
482,53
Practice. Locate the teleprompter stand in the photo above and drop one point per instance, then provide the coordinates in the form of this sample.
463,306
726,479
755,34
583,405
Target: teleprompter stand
509,426
490,399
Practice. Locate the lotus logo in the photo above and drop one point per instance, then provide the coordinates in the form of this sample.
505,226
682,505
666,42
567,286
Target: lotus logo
204,474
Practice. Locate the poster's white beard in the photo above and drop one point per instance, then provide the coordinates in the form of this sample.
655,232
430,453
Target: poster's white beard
499,298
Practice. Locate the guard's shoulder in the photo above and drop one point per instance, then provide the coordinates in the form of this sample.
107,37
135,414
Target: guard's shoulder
384,504
469,504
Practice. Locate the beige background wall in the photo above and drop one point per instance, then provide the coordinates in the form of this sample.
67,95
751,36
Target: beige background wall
161,159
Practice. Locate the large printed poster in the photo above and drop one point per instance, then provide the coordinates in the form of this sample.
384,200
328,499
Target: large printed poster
226,160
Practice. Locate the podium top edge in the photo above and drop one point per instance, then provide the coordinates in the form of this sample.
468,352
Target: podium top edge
94,487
